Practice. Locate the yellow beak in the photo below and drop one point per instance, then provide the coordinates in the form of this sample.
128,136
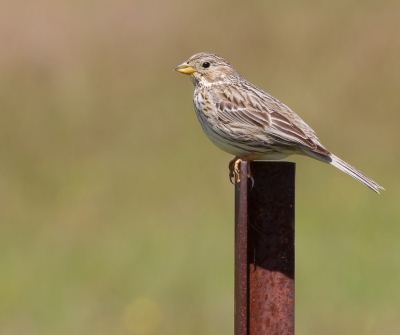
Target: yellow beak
184,68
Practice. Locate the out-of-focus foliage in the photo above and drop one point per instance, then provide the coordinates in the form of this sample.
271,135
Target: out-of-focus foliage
116,211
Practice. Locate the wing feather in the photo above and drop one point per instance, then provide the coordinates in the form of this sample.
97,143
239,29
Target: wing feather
247,105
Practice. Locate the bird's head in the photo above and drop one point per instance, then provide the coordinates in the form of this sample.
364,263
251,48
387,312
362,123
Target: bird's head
207,68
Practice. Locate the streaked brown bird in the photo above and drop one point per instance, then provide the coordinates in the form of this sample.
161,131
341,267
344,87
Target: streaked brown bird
243,120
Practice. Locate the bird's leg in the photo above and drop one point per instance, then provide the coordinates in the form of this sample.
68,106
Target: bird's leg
234,167
237,169
249,175
232,170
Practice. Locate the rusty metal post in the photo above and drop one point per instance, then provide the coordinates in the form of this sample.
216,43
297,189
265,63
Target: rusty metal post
241,253
264,250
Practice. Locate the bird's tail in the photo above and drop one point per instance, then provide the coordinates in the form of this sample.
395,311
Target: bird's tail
347,168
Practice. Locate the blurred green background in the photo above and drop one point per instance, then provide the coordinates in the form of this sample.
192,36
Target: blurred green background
116,210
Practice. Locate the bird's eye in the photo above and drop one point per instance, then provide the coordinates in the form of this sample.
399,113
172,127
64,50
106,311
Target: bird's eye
206,65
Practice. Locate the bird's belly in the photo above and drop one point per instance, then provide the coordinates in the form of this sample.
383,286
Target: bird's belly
272,156
222,142
240,147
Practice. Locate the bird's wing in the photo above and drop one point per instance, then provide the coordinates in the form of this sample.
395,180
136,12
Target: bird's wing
244,104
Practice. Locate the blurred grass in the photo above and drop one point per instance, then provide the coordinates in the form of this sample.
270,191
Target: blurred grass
111,196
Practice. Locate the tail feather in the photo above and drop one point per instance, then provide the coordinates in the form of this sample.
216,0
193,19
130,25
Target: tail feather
353,172
347,168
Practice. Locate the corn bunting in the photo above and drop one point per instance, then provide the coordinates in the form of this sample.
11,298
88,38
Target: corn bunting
250,124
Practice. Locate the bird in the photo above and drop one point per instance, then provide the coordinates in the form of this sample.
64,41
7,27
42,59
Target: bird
247,122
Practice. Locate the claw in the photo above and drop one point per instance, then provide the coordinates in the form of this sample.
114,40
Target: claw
232,172
231,175
249,175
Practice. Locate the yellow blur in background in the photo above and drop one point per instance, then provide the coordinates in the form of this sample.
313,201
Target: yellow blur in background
116,209
143,316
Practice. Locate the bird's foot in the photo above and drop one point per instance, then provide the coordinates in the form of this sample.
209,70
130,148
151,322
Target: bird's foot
249,174
234,168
